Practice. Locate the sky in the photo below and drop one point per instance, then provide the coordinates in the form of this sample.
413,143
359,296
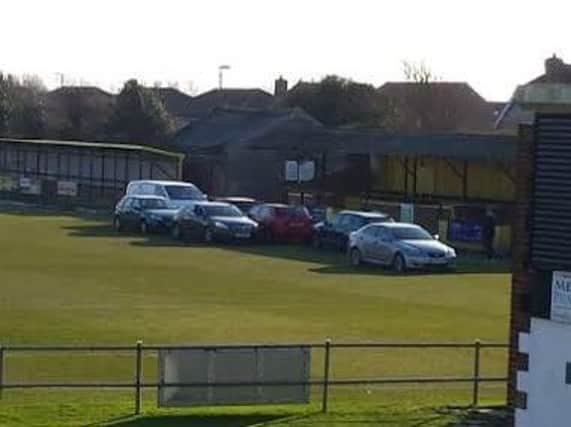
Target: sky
493,45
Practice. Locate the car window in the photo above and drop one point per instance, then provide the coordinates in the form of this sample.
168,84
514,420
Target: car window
369,231
344,221
357,222
411,233
382,234
184,192
146,189
223,210
159,191
153,204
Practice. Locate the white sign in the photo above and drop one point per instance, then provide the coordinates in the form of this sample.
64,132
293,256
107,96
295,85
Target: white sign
67,188
30,186
302,171
25,183
407,213
561,297
306,170
233,365
291,171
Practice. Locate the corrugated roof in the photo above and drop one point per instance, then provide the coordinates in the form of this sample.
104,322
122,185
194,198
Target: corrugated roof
100,145
459,146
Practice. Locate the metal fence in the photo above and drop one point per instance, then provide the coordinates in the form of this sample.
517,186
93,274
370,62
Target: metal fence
139,350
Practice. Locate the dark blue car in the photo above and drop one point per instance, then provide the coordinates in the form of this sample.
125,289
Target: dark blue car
143,213
335,234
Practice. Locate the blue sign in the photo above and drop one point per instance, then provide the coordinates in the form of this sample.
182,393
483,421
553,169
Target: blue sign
465,231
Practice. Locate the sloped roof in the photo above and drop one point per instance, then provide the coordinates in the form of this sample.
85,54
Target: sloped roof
500,148
176,103
233,126
203,104
448,106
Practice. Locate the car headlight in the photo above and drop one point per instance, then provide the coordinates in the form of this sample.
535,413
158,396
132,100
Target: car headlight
221,225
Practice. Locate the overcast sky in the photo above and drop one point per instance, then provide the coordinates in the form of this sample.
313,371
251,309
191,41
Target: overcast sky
493,45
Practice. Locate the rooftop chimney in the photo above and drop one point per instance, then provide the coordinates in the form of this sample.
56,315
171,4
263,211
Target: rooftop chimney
554,68
280,87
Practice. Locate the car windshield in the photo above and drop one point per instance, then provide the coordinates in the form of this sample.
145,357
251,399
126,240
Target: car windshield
380,218
293,212
223,211
184,192
153,204
410,233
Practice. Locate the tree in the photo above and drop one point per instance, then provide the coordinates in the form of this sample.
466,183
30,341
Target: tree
22,107
5,102
336,101
139,116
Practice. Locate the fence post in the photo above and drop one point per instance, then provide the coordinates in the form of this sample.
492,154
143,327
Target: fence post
476,389
1,370
326,371
138,375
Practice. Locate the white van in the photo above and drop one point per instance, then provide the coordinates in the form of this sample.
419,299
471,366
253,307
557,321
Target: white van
177,193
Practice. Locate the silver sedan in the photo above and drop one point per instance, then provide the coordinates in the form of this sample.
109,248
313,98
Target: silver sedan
399,245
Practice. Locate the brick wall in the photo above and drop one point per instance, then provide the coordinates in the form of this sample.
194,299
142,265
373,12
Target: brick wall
523,276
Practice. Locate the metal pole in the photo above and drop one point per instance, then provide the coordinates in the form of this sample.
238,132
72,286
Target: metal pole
476,390
138,377
1,370
326,372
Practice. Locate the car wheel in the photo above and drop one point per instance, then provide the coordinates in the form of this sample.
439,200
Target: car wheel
399,263
117,224
355,257
144,227
316,241
175,232
208,236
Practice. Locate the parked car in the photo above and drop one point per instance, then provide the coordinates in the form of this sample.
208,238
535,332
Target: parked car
143,213
176,193
335,234
399,245
213,221
280,222
242,203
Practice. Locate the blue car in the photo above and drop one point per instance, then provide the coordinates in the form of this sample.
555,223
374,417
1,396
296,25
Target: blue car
143,213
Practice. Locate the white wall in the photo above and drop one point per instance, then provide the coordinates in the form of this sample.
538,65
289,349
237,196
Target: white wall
548,397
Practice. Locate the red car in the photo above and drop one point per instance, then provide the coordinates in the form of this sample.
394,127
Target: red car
279,222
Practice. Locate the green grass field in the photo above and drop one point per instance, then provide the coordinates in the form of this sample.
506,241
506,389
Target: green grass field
70,280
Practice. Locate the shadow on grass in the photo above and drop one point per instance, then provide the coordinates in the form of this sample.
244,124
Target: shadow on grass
327,261
199,420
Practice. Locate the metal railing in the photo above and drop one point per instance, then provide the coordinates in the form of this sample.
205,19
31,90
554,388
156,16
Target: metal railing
139,349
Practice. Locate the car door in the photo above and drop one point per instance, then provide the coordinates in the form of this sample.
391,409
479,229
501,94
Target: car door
382,246
132,213
329,230
366,243
197,222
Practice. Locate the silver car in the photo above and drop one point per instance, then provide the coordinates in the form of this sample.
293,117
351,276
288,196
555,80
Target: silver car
399,245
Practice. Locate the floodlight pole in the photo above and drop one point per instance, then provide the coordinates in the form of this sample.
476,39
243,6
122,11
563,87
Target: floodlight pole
221,70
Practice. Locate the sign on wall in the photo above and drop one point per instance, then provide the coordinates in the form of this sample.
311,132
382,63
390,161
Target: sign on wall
561,297
30,186
67,188
299,171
